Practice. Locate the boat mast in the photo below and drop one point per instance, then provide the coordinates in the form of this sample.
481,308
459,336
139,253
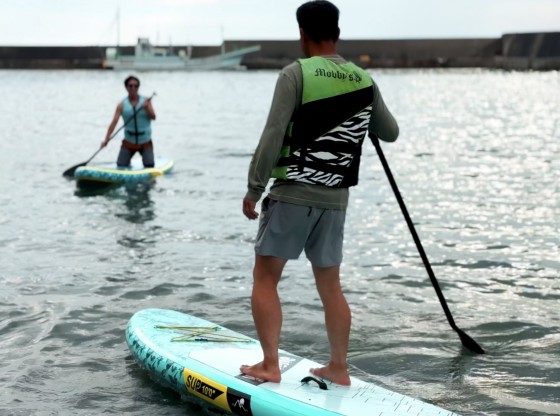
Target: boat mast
223,49
118,29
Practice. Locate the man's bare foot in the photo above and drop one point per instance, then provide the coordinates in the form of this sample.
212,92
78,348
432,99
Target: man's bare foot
263,372
338,376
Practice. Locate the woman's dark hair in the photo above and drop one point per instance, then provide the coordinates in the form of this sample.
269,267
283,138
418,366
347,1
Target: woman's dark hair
131,77
319,20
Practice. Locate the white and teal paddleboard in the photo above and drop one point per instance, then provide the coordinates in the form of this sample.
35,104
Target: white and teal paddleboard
109,173
199,358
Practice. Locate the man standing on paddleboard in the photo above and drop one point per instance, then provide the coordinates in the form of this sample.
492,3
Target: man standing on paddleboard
322,108
137,113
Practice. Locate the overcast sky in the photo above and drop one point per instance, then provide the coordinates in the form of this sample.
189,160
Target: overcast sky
206,22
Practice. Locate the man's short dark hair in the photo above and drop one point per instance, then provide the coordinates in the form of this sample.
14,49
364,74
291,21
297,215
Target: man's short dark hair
128,79
319,20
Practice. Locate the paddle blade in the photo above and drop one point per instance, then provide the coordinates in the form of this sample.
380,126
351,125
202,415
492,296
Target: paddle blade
469,343
69,173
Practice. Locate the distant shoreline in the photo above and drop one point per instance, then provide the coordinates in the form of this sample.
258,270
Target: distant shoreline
523,51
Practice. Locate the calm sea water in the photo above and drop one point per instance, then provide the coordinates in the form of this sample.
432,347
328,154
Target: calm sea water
477,164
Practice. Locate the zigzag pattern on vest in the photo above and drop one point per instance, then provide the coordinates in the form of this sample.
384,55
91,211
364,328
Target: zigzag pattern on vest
318,168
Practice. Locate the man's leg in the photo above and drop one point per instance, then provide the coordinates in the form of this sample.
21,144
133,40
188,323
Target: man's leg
267,314
337,320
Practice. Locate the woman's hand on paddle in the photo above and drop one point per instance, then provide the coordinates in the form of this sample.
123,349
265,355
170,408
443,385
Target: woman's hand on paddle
147,106
249,209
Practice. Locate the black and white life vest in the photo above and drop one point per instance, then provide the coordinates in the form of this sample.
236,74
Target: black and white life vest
323,142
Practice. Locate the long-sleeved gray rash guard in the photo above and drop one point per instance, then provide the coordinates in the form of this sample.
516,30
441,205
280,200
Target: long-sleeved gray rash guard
286,99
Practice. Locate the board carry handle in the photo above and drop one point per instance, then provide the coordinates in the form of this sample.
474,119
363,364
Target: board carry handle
322,384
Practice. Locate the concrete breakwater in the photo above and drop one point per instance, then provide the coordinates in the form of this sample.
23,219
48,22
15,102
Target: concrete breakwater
535,51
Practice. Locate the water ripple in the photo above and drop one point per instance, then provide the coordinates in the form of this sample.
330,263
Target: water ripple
477,166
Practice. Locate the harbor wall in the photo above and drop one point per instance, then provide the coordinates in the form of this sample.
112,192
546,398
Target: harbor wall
388,53
525,51
539,51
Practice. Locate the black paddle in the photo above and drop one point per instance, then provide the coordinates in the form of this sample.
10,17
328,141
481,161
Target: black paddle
70,171
467,341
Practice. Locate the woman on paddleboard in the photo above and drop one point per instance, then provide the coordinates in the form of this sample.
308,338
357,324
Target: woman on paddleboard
137,113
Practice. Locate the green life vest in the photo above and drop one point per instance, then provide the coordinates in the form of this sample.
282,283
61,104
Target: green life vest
323,142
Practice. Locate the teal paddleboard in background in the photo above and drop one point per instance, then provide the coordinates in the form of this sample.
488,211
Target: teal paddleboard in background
109,173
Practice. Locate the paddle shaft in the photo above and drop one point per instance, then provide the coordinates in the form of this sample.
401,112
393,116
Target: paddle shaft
466,340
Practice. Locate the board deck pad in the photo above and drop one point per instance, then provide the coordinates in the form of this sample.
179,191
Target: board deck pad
199,358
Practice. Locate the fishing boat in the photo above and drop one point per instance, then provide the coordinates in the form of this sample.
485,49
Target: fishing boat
149,58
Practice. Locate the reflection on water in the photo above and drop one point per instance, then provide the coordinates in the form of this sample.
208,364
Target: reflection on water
139,207
133,204
92,188
138,203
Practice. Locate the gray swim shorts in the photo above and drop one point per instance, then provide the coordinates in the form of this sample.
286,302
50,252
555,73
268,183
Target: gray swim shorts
285,230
